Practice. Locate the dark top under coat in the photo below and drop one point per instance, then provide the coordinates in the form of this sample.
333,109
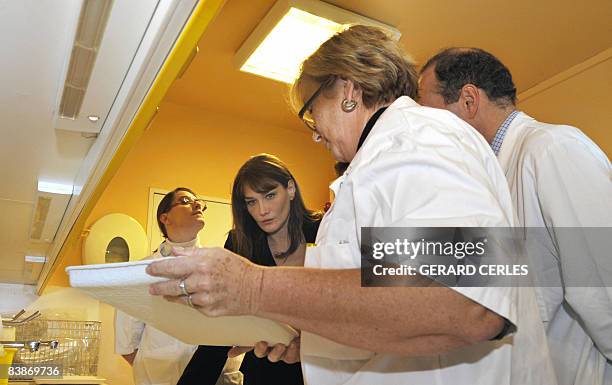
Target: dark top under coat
208,361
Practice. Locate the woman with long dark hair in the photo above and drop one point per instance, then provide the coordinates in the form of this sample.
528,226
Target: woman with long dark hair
271,223
272,227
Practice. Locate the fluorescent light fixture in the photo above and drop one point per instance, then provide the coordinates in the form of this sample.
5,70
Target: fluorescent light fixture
290,32
55,188
93,118
92,21
279,56
35,259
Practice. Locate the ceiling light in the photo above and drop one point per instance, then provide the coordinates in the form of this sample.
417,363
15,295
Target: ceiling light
93,118
92,21
290,32
35,259
55,188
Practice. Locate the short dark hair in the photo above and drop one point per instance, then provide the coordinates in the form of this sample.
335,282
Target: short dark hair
263,173
166,204
456,67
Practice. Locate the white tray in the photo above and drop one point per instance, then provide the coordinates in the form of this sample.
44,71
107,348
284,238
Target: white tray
126,287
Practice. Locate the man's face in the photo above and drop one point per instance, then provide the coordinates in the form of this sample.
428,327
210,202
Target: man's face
430,97
428,90
184,218
466,107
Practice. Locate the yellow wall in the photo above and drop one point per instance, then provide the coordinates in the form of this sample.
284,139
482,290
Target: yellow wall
583,100
201,150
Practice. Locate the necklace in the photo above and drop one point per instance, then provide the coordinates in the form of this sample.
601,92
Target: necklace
280,260
280,255
296,257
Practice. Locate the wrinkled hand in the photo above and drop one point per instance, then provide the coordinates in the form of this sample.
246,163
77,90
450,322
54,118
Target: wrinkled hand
220,282
279,352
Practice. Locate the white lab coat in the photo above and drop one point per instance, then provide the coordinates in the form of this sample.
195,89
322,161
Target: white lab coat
424,167
559,178
161,358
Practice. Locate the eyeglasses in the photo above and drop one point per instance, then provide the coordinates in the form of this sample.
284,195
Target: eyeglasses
187,201
304,113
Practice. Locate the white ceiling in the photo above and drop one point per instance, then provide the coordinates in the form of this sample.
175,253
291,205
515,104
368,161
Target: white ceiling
35,38
31,68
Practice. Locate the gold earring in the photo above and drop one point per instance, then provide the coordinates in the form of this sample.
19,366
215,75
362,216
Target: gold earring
348,105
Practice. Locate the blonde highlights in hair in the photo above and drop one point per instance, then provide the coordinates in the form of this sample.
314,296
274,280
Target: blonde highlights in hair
369,58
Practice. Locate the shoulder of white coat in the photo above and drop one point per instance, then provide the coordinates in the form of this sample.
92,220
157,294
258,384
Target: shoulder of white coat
409,131
537,138
430,127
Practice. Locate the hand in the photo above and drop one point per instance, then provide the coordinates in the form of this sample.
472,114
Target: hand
220,282
279,352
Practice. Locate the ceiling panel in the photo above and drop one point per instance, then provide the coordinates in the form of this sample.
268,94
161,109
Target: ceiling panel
12,260
536,39
14,231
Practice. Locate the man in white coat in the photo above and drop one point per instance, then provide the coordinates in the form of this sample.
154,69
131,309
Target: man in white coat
558,178
157,358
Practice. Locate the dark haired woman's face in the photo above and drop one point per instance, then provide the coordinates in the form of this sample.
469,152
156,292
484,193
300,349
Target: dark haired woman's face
270,210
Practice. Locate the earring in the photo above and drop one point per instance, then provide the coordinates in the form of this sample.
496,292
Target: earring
348,105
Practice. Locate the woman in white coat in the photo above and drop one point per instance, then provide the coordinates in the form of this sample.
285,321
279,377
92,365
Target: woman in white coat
157,358
410,166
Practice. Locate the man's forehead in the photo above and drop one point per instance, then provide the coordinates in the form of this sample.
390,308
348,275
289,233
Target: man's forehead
428,81
180,194
428,74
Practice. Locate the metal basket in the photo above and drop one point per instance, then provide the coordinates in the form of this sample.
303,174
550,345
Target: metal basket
77,352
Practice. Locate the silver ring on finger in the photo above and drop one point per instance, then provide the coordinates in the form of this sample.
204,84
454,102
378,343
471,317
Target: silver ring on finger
189,301
183,288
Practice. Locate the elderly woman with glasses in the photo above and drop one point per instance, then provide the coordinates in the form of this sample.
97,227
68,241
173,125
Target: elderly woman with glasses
156,357
410,166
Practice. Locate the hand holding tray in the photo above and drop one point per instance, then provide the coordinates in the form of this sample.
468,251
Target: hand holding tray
126,287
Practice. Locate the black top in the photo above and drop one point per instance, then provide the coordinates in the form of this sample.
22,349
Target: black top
368,127
262,254
208,361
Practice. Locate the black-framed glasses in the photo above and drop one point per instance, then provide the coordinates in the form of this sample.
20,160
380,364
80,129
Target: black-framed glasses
304,113
187,201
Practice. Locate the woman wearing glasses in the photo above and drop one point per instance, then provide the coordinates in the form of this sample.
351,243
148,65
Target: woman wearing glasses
411,167
156,357
272,227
